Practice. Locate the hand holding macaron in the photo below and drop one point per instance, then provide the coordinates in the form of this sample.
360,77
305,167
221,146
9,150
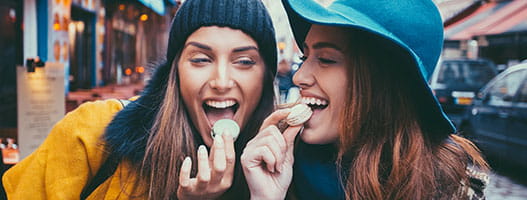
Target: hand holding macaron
215,170
267,160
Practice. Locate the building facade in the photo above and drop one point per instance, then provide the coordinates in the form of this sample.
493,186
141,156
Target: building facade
98,43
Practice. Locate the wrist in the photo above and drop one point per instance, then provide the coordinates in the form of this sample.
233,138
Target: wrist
264,198
268,197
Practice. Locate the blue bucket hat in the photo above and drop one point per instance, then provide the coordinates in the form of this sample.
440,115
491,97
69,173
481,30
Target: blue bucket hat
413,25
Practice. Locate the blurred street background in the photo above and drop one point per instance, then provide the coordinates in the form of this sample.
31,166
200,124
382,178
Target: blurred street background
58,54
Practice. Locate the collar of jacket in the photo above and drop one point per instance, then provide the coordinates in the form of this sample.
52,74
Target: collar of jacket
126,136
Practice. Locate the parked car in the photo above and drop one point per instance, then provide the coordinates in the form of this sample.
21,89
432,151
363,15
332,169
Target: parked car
497,120
455,83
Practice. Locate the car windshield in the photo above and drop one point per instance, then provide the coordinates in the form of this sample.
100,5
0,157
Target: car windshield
469,75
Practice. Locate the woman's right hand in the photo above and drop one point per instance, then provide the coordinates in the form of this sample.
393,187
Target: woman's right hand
215,172
267,160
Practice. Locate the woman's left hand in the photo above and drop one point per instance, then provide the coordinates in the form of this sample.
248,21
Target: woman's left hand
267,160
215,172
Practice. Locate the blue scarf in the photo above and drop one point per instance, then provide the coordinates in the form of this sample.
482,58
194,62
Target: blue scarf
315,173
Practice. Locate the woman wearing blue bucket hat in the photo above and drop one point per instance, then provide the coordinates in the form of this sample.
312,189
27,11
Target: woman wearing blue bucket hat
377,131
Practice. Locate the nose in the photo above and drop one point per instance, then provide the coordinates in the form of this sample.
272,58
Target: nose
221,78
303,77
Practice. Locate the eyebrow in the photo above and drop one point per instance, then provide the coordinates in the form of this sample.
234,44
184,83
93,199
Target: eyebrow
246,48
199,45
206,47
320,45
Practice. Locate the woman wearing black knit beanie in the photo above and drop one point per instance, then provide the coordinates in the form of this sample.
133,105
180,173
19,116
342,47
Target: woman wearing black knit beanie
220,64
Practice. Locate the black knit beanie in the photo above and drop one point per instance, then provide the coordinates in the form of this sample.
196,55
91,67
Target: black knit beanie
249,16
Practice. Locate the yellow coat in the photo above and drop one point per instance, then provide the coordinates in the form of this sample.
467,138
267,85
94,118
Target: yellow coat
70,156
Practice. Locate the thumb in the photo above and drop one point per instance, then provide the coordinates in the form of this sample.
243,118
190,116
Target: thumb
275,117
289,136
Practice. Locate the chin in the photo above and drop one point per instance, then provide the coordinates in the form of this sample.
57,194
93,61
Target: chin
313,138
318,136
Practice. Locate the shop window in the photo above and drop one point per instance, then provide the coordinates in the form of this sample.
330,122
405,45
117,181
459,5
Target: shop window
10,57
82,49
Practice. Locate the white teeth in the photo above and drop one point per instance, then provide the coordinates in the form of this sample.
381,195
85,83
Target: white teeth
314,101
220,104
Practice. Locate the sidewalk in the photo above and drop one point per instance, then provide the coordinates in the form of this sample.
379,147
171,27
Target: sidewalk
74,99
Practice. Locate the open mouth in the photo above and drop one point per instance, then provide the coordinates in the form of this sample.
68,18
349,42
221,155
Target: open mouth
220,109
316,104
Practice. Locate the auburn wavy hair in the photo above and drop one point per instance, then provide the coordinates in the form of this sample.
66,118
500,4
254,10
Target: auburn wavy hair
172,137
385,151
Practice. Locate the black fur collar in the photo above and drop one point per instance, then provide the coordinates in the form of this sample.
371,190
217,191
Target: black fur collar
127,134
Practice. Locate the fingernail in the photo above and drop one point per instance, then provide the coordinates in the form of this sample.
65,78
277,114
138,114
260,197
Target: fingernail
186,163
218,140
228,135
202,149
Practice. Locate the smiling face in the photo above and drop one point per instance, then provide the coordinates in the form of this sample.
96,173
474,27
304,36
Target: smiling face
221,77
323,81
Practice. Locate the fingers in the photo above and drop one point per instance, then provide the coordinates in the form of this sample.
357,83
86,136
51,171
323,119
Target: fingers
275,117
203,176
270,136
184,174
275,143
280,145
211,169
265,154
289,137
230,158
290,134
268,129
223,159
272,140
219,163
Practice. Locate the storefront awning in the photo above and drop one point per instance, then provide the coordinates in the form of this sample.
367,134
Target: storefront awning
157,6
490,19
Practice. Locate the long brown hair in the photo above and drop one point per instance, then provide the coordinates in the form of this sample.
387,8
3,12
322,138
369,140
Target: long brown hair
173,137
385,149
